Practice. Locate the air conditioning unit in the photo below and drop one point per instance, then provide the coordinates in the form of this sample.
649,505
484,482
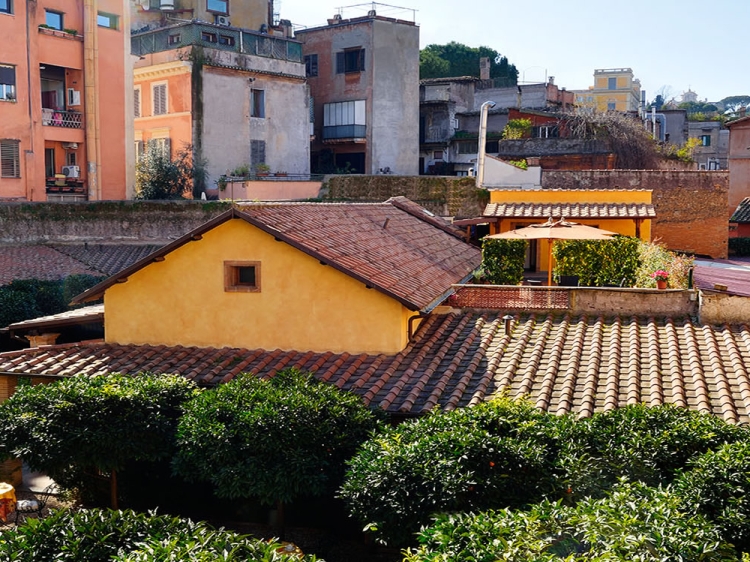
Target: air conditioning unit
70,145
222,20
71,171
166,5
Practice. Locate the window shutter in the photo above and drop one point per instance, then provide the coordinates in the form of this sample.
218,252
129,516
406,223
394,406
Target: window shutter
137,102
160,99
10,165
257,152
340,63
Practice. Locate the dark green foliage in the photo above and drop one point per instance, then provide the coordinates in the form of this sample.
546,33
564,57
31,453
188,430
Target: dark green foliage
632,523
24,299
739,246
126,536
718,486
158,176
493,455
457,59
598,262
641,443
272,439
74,285
83,423
502,261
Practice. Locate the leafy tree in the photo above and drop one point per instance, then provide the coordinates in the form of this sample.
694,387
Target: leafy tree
492,455
517,129
126,536
502,261
272,439
643,444
456,59
633,522
81,423
697,108
157,176
718,486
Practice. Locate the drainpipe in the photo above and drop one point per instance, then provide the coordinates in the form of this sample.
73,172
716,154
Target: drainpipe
483,111
90,81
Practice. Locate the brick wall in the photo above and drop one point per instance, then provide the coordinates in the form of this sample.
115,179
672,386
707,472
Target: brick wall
690,206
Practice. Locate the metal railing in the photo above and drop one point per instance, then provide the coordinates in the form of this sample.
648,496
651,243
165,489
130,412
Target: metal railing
215,37
60,118
344,132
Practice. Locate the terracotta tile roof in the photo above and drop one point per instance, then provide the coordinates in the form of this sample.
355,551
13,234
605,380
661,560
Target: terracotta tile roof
38,262
571,210
394,247
107,258
83,315
563,363
742,212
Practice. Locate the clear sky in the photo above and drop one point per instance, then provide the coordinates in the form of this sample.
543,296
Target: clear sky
671,45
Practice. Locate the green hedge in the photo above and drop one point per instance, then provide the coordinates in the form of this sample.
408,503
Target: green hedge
739,246
126,536
632,523
503,260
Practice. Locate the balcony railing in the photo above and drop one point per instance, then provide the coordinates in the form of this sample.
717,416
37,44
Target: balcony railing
340,132
215,37
60,118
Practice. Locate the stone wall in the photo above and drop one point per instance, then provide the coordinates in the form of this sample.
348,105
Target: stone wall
443,195
145,222
690,205
717,308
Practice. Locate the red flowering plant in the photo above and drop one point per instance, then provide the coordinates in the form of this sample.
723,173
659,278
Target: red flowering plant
660,275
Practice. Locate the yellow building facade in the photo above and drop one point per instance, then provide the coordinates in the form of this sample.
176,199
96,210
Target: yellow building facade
299,302
614,89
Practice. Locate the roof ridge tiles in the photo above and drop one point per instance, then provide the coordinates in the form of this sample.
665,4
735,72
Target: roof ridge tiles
591,377
571,374
677,379
537,352
695,368
612,375
634,394
729,413
548,379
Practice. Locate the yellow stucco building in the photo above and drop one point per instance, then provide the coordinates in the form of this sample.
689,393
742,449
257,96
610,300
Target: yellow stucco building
626,211
350,278
614,89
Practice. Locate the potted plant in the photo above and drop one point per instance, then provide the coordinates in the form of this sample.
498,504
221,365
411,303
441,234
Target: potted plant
262,169
661,277
221,183
280,174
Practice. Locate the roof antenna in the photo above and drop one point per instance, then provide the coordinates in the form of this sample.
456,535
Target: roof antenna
385,224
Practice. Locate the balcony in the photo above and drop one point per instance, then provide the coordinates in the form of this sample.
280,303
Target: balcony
216,37
60,118
344,132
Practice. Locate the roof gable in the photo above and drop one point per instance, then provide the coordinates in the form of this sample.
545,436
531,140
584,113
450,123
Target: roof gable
394,247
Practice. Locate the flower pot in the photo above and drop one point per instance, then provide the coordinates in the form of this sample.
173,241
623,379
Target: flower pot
661,283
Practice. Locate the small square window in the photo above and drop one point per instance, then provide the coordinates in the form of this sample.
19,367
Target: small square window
7,82
53,19
208,37
611,83
226,40
174,39
242,276
437,155
6,6
311,65
705,140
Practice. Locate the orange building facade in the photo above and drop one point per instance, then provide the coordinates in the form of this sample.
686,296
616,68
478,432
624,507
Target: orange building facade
64,135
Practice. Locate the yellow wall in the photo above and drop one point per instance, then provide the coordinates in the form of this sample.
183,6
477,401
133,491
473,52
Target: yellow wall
302,304
626,227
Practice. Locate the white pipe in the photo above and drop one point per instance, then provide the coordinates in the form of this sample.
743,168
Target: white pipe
483,111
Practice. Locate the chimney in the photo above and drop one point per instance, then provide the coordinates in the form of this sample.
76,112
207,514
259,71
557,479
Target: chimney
742,111
41,339
336,19
484,68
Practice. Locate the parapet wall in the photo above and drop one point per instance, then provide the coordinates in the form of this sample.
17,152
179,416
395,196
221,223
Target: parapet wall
691,206
137,222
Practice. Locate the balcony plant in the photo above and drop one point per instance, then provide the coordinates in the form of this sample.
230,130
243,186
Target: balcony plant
262,169
661,277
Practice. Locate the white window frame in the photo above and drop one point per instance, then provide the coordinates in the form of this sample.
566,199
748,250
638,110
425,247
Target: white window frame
154,87
344,113
8,91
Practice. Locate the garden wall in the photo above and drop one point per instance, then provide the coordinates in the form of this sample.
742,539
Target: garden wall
691,206
145,222
717,308
443,195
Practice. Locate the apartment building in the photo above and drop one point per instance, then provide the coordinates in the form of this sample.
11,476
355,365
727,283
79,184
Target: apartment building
614,89
63,130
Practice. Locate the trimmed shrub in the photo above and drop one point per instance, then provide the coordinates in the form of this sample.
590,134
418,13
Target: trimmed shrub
739,246
272,439
502,261
126,536
598,262
656,256
86,424
718,486
641,443
493,455
633,522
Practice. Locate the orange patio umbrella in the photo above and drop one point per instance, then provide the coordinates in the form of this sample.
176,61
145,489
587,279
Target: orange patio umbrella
555,230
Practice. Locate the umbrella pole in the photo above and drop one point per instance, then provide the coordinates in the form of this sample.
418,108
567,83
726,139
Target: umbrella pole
549,263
